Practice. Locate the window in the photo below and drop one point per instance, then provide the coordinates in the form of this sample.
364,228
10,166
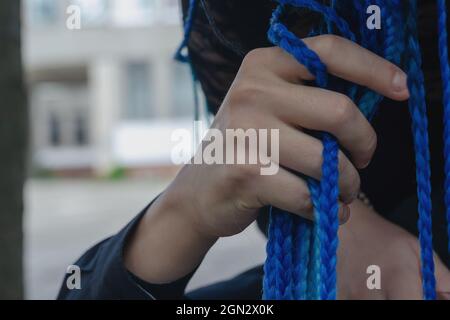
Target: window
94,12
43,12
54,130
131,13
63,114
137,103
146,4
80,129
170,11
182,90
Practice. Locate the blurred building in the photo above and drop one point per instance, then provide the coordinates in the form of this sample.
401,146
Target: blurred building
107,94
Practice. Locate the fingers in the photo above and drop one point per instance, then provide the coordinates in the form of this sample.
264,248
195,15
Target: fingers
343,58
324,110
288,192
277,61
303,153
347,60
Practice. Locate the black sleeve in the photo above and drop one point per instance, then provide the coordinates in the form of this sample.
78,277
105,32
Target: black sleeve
104,276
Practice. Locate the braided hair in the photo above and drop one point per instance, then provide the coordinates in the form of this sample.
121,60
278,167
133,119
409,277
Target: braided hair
301,256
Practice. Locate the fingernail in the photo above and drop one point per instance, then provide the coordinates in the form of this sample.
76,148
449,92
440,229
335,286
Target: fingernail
344,213
399,82
349,199
364,164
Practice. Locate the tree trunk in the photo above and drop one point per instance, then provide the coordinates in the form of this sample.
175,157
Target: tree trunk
13,146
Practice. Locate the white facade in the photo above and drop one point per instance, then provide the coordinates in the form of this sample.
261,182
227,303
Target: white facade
94,89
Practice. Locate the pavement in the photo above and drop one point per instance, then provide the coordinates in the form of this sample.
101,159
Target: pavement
64,217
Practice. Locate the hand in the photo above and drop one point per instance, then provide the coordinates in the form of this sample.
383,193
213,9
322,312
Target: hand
205,202
367,239
268,93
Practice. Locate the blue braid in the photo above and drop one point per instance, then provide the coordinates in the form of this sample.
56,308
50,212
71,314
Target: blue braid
328,197
326,204
278,34
394,31
417,107
329,14
283,250
445,74
179,55
301,256
327,224
333,5
314,279
269,281
393,45
184,58
314,272
302,234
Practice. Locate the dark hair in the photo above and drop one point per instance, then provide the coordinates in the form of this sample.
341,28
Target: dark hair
223,32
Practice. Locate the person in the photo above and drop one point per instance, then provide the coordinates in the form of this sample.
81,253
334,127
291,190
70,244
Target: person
250,84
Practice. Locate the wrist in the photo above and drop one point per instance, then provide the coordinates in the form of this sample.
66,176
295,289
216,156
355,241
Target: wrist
184,204
166,245
183,207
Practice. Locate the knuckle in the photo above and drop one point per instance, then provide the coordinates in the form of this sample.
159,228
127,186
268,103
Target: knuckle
305,204
252,84
246,91
327,44
235,103
344,111
239,177
244,172
231,116
256,56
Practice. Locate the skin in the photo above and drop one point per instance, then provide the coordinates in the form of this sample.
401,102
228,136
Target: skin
206,202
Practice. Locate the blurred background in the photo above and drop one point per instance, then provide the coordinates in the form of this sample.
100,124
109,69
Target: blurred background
103,101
